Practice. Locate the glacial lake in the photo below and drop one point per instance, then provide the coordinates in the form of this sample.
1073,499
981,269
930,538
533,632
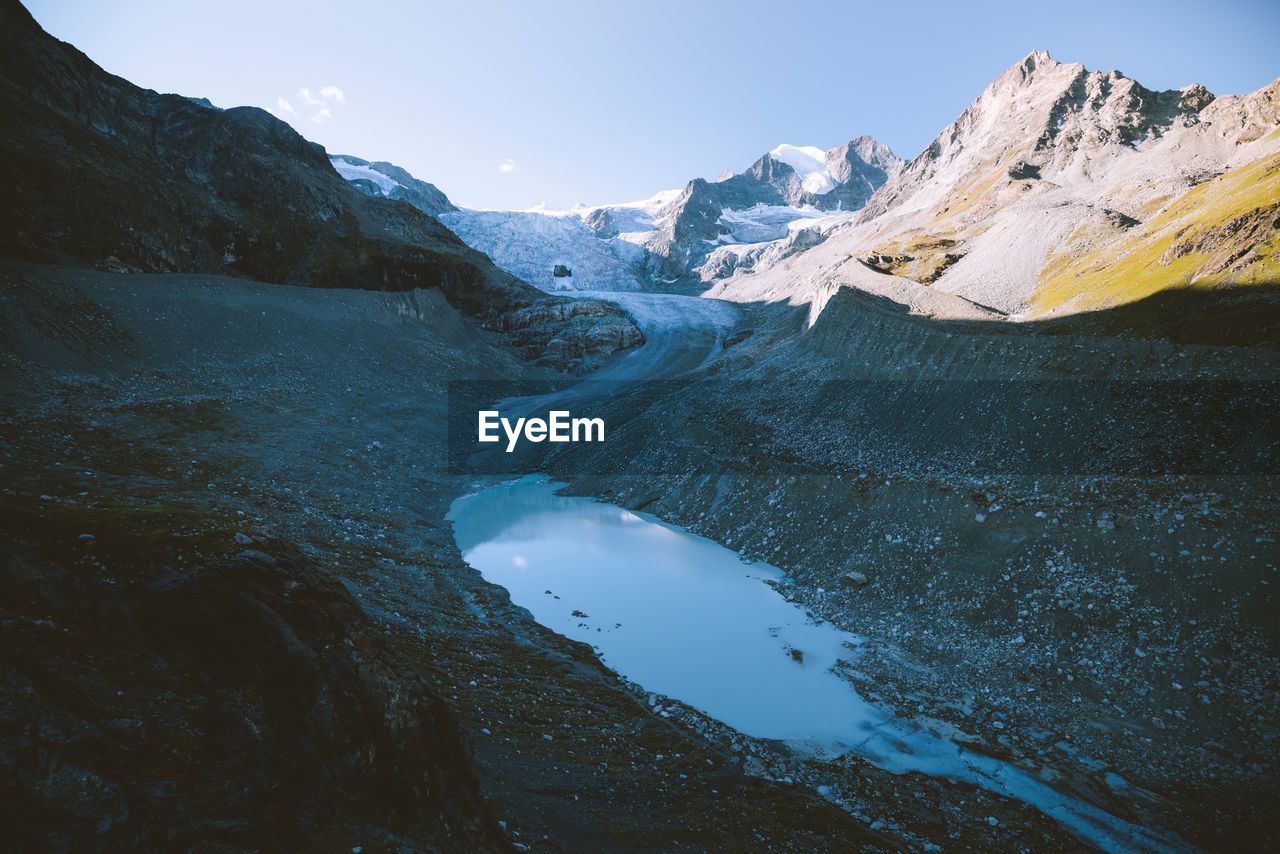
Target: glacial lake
684,617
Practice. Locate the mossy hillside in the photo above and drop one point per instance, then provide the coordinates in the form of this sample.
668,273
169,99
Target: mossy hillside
1173,248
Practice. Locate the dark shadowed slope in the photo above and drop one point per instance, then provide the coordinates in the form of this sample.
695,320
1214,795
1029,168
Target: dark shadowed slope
233,702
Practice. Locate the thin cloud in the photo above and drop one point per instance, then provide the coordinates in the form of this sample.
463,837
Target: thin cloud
506,166
317,107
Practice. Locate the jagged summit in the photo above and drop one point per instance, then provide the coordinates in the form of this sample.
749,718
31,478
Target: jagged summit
1060,189
762,203
864,158
667,238
1029,63
808,175
1042,118
809,164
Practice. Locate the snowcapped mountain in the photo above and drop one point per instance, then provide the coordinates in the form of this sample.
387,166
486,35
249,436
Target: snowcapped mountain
789,184
1059,189
661,241
842,178
809,164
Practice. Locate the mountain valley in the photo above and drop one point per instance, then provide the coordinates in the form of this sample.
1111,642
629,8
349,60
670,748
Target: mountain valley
1002,413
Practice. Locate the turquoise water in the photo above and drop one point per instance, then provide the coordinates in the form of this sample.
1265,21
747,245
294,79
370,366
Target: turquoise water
674,612
685,617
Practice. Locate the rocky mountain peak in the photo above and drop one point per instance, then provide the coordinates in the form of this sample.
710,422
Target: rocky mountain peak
837,178
1245,118
1107,107
1025,69
1040,118
796,176
865,156
875,152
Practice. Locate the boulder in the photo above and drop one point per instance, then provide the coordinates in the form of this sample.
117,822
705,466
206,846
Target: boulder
853,578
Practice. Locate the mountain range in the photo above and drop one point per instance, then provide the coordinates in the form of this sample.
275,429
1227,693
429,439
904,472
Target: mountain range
1001,415
658,243
1059,189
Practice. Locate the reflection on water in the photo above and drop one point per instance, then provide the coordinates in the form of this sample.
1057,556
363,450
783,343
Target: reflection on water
676,613
685,617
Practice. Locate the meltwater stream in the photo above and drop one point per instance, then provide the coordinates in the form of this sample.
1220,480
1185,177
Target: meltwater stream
685,617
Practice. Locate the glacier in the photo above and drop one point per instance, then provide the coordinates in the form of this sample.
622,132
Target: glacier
530,244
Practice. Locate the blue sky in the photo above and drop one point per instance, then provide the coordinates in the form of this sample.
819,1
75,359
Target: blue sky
507,104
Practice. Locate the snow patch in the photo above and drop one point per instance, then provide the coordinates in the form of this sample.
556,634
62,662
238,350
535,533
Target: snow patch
763,223
354,171
810,163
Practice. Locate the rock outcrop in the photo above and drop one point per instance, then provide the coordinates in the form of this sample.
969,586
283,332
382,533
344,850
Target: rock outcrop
389,181
586,332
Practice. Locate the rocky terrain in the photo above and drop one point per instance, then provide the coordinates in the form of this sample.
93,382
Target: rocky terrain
224,576
1087,600
235,616
166,685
